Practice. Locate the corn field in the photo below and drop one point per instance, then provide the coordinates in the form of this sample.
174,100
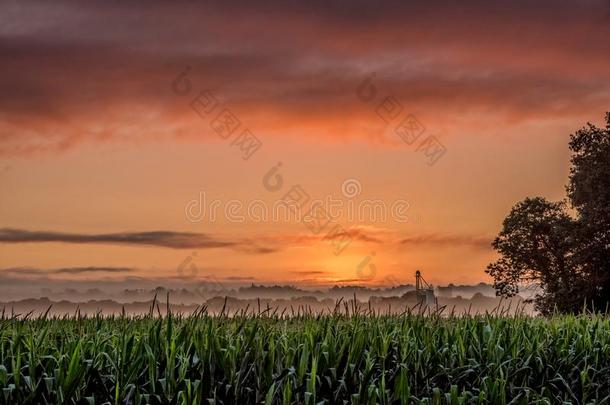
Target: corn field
304,359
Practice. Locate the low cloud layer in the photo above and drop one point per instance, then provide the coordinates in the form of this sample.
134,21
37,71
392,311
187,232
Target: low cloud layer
166,239
384,237
66,270
478,242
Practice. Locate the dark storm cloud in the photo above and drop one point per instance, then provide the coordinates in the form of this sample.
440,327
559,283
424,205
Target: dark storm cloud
173,240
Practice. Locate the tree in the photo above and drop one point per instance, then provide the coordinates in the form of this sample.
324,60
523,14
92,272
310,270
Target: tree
589,193
536,245
568,256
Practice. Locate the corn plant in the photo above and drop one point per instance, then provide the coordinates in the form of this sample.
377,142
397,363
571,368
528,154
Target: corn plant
304,358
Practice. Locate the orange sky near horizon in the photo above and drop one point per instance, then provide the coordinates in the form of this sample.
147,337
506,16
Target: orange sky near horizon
101,150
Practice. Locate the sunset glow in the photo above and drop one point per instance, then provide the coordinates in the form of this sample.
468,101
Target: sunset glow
116,117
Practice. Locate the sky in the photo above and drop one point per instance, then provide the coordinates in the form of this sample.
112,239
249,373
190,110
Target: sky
159,140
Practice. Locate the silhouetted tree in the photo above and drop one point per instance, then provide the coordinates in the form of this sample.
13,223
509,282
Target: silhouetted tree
567,255
589,193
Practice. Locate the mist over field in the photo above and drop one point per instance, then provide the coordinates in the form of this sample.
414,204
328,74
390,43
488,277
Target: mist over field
136,297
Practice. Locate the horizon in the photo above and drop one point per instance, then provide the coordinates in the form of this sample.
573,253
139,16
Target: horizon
156,143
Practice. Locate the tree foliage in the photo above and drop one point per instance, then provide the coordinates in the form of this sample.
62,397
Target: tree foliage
566,252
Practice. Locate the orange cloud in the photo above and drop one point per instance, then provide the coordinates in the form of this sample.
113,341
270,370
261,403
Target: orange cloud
293,69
